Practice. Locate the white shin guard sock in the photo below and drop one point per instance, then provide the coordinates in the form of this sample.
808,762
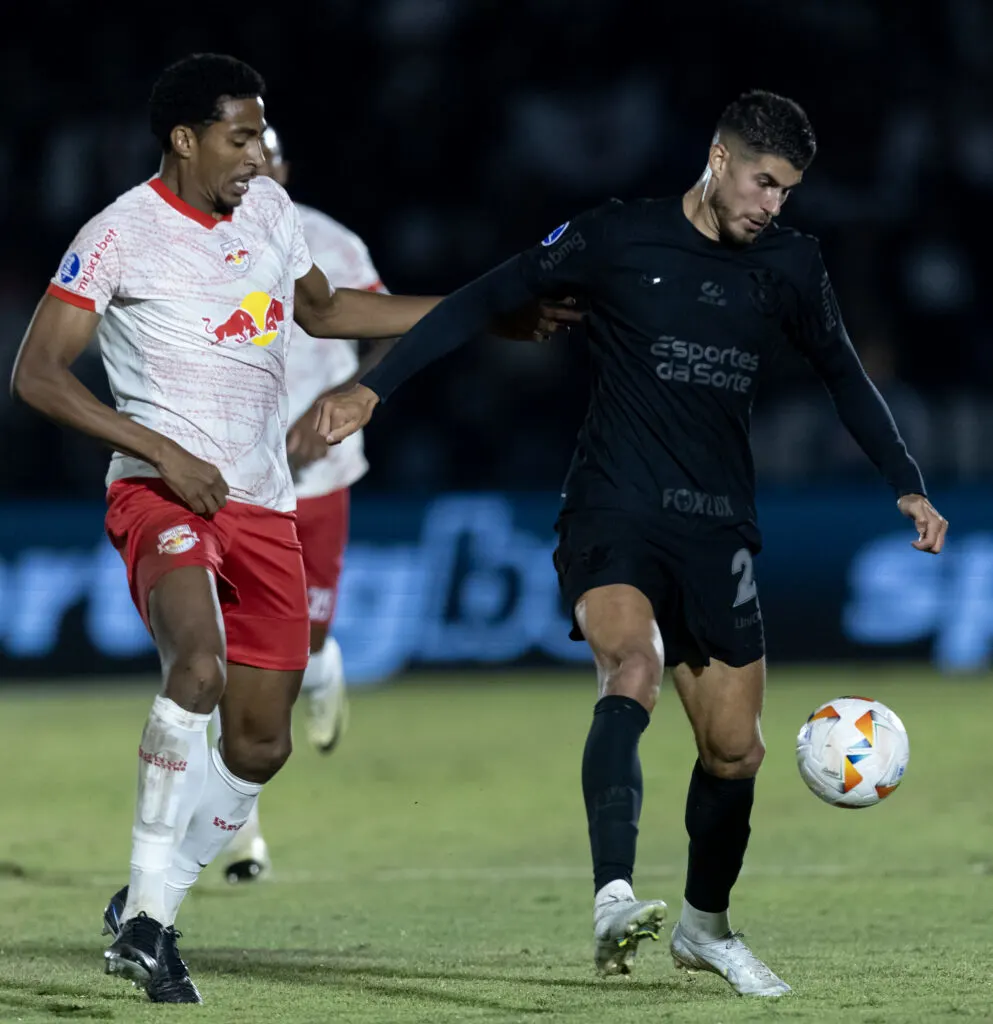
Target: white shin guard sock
172,765
703,926
325,668
225,805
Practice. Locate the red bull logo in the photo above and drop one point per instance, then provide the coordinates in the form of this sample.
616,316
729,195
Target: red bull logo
176,540
236,256
258,319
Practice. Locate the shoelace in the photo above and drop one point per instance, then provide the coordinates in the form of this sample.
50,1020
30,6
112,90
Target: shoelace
751,961
174,963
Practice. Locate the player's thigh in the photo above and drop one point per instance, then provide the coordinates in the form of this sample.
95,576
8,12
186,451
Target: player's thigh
255,719
184,615
322,528
724,705
173,559
619,625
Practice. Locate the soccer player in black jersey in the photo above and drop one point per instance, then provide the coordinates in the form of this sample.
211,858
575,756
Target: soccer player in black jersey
688,299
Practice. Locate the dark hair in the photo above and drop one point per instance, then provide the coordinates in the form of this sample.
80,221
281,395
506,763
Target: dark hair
767,123
189,92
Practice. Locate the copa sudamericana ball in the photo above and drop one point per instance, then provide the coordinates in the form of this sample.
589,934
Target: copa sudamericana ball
852,752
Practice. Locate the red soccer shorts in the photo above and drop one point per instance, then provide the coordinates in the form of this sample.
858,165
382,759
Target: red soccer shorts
322,525
253,553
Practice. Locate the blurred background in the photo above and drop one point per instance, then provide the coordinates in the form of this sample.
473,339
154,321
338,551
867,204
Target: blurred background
451,134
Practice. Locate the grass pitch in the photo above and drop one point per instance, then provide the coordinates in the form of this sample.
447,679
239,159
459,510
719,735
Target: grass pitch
435,867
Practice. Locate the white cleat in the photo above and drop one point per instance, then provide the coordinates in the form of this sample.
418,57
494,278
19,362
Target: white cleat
731,959
327,716
618,926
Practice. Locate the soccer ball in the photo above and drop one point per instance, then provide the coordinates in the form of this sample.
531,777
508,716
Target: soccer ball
852,752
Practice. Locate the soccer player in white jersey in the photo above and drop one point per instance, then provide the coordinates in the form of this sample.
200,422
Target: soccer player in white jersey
189,281
322,477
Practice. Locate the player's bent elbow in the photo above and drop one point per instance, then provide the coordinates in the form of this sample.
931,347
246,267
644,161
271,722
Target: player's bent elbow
28,383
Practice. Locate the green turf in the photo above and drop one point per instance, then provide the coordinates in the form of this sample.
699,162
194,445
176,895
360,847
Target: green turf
435,868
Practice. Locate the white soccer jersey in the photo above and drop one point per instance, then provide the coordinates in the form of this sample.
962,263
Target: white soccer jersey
316,364
196,313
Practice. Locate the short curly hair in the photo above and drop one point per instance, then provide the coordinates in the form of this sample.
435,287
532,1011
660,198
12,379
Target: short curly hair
768,123
190,91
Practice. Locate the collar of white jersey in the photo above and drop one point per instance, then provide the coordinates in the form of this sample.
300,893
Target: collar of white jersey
205,220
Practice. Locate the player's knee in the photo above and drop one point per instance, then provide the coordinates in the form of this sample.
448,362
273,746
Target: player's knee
637,673
194,679
257,758
730,758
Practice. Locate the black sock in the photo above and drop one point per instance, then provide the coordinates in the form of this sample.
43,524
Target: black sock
612,786
717,812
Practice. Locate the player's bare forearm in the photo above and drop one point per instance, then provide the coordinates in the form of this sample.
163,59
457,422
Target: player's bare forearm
362,314
355,313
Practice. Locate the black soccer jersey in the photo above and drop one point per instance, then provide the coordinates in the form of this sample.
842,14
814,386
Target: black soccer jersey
680,328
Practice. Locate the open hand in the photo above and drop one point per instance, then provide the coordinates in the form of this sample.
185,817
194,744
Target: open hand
931,525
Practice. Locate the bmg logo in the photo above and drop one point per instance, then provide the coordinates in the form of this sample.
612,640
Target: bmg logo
574,243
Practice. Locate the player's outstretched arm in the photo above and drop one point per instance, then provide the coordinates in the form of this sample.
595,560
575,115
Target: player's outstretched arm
824,341
352,312
566,263
360,313
460,317
42,377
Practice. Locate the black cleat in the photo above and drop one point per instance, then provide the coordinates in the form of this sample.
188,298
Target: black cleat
113,912
134,953
243,871
171,983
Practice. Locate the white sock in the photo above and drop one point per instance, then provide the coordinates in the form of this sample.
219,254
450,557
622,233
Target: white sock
225,805
703,926
325,668
215,727
240,845
172,765
612,892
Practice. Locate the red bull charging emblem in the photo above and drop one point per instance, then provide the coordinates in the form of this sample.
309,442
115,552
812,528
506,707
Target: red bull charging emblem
258,320
236,256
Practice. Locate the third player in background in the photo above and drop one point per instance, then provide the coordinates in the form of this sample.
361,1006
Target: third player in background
322,477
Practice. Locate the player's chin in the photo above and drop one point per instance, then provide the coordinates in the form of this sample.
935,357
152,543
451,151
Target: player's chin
233,193
749,232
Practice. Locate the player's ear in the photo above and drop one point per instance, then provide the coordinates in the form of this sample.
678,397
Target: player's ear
183,141
718,159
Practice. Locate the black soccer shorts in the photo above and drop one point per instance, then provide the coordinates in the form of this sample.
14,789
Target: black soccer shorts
702,587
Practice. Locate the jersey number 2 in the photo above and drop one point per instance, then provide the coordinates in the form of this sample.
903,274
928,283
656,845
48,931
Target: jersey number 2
747,589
